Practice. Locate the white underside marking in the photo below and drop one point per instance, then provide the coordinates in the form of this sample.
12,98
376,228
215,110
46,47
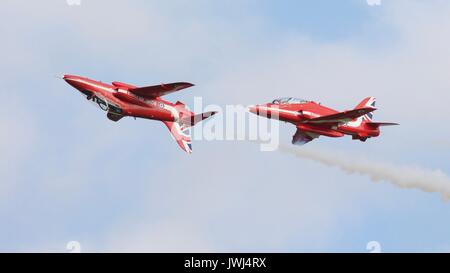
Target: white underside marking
175,113
280,110
355,123
308,113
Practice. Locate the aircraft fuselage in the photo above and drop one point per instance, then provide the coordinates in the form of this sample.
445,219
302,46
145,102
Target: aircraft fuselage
117,100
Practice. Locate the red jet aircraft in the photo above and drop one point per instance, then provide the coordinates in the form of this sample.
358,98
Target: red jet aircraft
313,120
120,100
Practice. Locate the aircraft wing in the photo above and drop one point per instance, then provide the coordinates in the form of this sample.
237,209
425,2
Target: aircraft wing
159,90
301,137
342,116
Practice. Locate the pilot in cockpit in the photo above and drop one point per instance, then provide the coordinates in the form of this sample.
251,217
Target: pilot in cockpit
289,101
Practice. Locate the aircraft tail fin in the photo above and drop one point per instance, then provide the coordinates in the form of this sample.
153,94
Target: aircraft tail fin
365,103
181,130
181,134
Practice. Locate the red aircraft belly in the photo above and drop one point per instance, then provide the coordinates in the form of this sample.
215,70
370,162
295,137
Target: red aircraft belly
361,130
277,113
319,130
149,113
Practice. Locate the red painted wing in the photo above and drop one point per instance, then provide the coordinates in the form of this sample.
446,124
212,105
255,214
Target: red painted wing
301,137
160,90
342,116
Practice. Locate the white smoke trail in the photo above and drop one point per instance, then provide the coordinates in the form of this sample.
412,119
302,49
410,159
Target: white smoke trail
408,177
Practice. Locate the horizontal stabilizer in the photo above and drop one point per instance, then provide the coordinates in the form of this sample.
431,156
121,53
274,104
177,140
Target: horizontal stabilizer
194,119
378,124
342,116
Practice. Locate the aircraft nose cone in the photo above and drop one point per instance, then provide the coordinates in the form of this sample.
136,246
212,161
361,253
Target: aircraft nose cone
253,109
72,80
67,77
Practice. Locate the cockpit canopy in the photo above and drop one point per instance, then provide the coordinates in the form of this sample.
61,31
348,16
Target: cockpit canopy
289,101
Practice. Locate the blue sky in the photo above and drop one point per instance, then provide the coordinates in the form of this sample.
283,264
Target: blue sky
70,174
321,20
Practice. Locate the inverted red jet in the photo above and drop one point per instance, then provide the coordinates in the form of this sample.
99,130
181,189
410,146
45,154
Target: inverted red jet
120,100
313,119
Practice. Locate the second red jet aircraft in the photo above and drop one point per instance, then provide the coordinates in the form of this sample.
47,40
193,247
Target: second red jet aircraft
313,119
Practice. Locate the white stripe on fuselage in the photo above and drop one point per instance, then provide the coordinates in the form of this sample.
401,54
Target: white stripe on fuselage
290,111
175,113
354,124
279,110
